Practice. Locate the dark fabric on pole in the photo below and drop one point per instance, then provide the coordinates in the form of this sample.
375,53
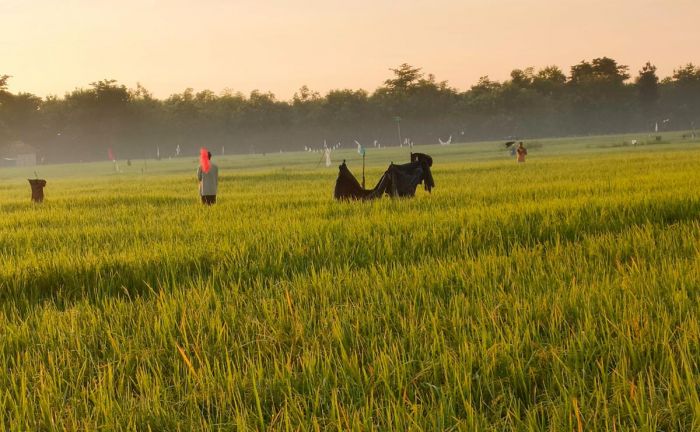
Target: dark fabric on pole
397,180
37,186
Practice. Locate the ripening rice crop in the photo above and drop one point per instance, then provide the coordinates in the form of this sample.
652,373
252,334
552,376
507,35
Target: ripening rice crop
561,294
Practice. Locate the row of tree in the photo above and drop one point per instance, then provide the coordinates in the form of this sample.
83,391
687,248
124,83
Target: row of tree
596,97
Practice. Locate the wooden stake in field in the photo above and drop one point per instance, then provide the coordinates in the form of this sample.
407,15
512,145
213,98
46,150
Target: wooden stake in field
361,150
363,170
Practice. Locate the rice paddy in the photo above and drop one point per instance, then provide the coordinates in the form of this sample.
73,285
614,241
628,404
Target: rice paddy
559,294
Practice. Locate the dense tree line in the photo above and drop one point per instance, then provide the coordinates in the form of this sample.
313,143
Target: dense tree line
596,97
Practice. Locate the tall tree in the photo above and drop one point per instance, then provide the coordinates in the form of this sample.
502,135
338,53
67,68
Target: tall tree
549,81
687,74
647,84
4,132
3,82
405,77
599,95
684,95
522,77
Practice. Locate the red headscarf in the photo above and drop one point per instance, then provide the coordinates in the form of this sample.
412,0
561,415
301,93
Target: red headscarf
204,159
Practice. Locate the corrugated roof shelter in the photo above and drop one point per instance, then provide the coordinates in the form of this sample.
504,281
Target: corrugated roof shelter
17,154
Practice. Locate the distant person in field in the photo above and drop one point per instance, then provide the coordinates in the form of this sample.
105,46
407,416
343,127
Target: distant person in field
208,176
522,152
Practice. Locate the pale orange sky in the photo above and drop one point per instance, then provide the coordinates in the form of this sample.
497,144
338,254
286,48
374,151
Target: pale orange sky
52,46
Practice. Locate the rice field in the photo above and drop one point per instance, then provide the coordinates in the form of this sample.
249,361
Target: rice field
559,294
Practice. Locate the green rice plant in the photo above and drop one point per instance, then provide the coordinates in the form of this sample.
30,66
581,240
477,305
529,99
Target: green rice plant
556,295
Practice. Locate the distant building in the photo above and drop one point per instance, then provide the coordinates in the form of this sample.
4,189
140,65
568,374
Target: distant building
17,154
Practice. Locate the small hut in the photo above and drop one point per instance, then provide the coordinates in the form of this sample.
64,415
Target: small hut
17,154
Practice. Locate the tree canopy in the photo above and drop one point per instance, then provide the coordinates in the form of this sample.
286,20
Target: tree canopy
597,96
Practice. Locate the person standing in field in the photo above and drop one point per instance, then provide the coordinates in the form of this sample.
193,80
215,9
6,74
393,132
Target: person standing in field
522,152
208,176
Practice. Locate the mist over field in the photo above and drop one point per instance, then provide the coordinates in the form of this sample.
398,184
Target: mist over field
595,97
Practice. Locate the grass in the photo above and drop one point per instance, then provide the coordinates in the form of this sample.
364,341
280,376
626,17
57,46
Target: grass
557,295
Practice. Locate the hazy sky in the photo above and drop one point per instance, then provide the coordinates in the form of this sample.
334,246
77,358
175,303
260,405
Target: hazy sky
52,46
